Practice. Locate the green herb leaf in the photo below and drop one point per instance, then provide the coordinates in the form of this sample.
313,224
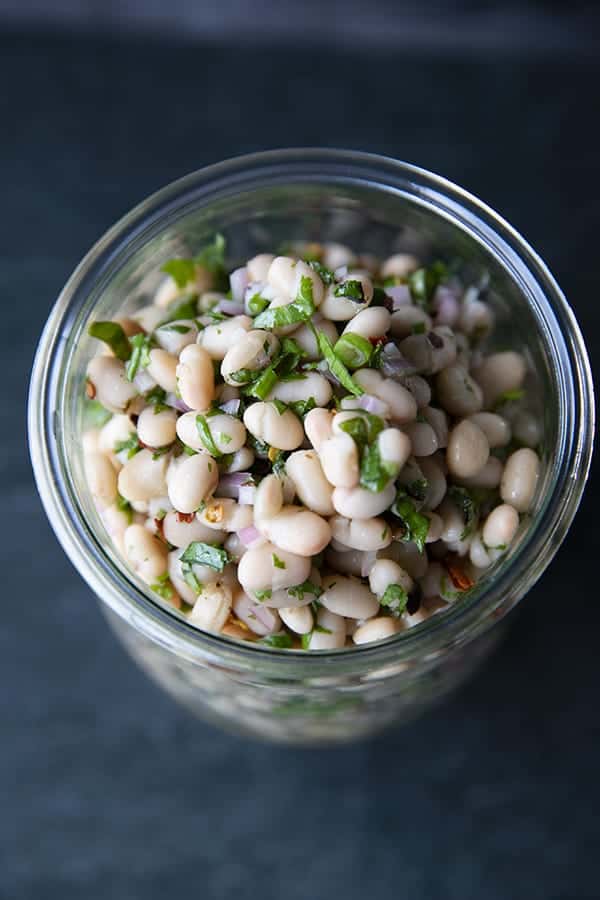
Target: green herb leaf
156,398
307,587
187,309
354,350
379,296
131,445
125,506
418,488
509,397
351,290
178,329
423,282
375,474
212,257
416,525
278,563
200,554
94,414
302,407
112,334
282,641
190,579
140,354
325,274
261,596
321,629
280,406
181,270
336,366
163,587
299,310
243,376
263,385
418,328
467,504
305,640
363,429
256,304
395,599
206,437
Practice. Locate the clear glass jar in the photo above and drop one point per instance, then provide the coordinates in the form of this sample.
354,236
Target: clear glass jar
261,202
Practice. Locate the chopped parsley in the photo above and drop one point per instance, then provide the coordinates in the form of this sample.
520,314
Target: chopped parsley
395,599
468,505
423,282
375,473
94,414
350,290
211,257
206,437
140,354
163,587
200,554
307,587
113,335
278,563
282,640
364,428
131,445
156,398
335,364
299,310
187,309
261,596
125,506
182,271
302,407
256,304
325,274
178,329
415,525
418,489
509,397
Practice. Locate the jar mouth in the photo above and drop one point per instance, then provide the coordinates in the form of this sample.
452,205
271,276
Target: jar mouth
461,621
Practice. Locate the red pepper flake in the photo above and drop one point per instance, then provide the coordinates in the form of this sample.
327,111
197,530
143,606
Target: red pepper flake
185,517
380,339
90,390
458,576
158,523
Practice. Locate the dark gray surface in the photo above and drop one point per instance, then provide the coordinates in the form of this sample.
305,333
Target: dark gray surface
108,789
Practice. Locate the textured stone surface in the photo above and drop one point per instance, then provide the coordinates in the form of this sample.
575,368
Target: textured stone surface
110,790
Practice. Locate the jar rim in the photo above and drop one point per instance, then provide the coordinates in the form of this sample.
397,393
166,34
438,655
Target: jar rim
464,619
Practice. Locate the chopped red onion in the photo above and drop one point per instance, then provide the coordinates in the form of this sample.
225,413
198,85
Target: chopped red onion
340,273
368,561
373,405
445,305
394,364
232,407
247,493
177,403
231,485
259,618
400,296
248,535
230,307
238,281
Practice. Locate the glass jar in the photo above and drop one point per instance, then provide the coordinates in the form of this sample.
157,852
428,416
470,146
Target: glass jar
261,202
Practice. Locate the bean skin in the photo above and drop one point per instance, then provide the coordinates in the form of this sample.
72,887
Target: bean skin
268,500
297,619
173,338
361,534
500,372
468,449
258,266
519,479
369,323
285,275
195,377
399,265
377,630
222,513
331,632
404,320
143,477
228,433
219,338
348,597
386,572
394,447
307,340
281,430
360,503
163,369
496,428
179,532
402,404
259,569
113,390
101,477
311,486
312,385
192,482
318,426
252,352
147,555
211,609
118,429
487,477
423,438
341,309
500,526
297,530
157,429
457,392
259,618
339,459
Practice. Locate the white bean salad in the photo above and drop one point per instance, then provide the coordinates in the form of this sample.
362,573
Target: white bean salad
311,451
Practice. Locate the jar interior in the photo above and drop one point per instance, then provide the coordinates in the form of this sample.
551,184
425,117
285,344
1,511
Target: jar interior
370,218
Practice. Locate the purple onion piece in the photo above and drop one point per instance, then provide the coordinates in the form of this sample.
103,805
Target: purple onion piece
400,295
248,535
373,405
230,307
232,407
445,305
239,281
231,485
394,364
177,403
247,493
259,619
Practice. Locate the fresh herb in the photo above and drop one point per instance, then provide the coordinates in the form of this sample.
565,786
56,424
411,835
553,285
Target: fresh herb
375,473
423,282
418,328
125,506
261,596
375,361
156,398
354,350
280,406
200,554
468,505
243,376
278,462
307,587
278,563
113,335
350,290
509,397
305,640
178,329
282,641
206,437
181,270
160,451
363,428
263,385
224,438
302,407
187,309
336,366
94,414
211,257
379,296
325,274
163,587
140,354
395,599
322,630
418,489
416,525
290,355
299,310
131,445
256,304
189,577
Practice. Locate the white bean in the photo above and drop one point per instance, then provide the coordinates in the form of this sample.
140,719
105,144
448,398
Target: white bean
117,430
453,521
163,369
192,482
500,372
297,619
487,477
180,531
219,338
360,503
394,448
250,354
285,275
468,449
228,433
292,597
500,526
408,556
90,440
101,477
377,630
310,385
339,459
386,572
306,338
361,534
329,633
143,477
496,428
146,554
419,388
423,438
348,597
224,514
258,266
297,530
399,265
476,318
478,553
113,390
438,420
149,317
260,619
337,255
281,430
157,429
436,526
270,567
341,308
406,319
174,336
527,429
402,404
268,499
349,562
519,479
318,426
195,377
242,461
211,609
369,323
166,293
310,483
457,392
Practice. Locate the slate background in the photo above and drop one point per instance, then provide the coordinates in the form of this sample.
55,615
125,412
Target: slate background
110,790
